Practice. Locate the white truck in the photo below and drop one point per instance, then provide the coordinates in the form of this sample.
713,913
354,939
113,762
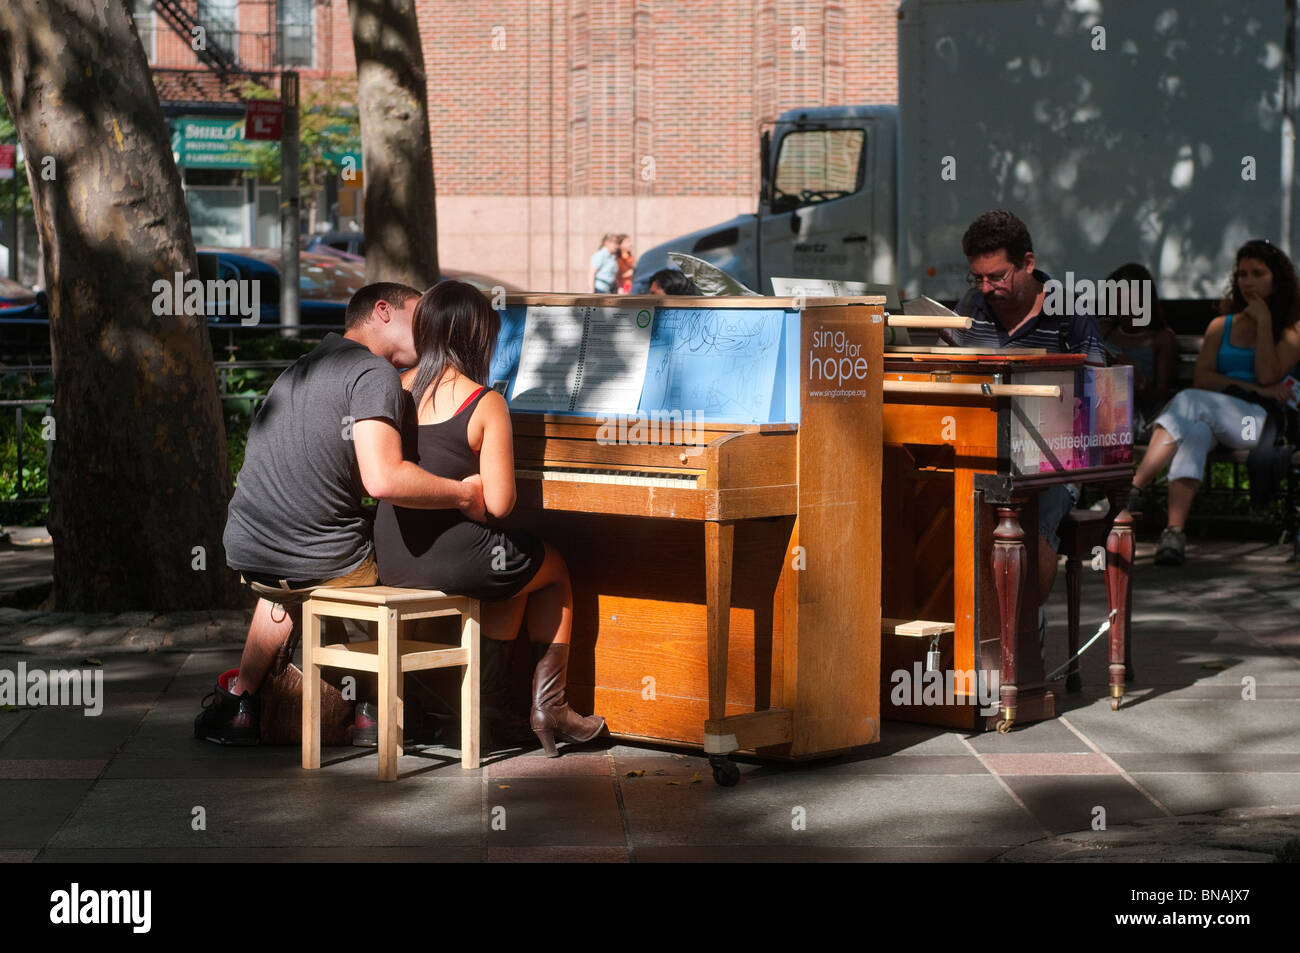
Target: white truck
1156,132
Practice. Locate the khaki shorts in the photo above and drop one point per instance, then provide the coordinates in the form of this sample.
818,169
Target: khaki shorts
366,574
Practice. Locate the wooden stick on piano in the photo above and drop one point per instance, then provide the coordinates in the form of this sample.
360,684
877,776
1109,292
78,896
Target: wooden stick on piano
976,389
927,321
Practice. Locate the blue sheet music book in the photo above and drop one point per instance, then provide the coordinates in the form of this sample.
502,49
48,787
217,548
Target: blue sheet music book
735,365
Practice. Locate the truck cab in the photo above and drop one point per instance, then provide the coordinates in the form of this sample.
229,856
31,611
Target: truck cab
827,205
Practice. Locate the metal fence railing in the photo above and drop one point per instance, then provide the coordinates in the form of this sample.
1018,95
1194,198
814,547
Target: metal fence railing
22,410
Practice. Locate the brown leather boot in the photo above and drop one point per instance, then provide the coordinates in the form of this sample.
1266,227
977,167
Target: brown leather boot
551,714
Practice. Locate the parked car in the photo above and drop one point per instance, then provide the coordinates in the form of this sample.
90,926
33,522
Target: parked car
17,300
24,321
348,244
325,282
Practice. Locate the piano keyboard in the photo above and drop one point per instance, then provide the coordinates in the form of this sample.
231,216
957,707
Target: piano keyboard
678,481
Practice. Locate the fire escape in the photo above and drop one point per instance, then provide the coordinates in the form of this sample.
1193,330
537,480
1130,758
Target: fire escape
227,58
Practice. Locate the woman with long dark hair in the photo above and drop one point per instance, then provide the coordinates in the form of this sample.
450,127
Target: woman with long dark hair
1245,357
454,424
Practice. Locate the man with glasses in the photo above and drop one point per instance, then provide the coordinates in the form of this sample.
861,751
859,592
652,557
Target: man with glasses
1005,300
1005,305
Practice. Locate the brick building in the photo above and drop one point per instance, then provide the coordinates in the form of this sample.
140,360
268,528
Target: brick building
554,121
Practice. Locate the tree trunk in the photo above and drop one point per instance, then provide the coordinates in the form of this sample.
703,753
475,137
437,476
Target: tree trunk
396,158
139,477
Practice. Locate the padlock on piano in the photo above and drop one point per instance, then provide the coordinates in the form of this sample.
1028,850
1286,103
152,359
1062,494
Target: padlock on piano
932,656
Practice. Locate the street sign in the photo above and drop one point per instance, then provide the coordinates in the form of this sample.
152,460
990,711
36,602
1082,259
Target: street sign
7,162
263,119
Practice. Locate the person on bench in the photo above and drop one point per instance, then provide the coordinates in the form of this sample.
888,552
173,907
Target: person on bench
1150,348
325,437
1244,359
457,427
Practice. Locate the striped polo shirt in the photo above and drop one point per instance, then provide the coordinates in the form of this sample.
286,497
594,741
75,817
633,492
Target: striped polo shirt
1057,334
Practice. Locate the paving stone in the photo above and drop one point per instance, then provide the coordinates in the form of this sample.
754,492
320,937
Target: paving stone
51,619
836,811
133,618
34,810
172,620
306,809
1241,836
195,633
14,769
145,638
105,635
65,636
555,811
19,634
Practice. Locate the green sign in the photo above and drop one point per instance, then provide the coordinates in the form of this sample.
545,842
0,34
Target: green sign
207,143
215,144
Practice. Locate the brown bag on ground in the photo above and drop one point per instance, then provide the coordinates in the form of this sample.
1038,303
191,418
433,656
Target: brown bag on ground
281,708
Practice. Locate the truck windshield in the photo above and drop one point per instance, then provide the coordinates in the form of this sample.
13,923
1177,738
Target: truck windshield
817,165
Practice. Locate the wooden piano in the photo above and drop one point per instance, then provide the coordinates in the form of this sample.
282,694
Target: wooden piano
970,440
726,590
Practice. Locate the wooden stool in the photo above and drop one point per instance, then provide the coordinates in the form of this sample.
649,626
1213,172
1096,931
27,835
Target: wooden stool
390,657
1082,532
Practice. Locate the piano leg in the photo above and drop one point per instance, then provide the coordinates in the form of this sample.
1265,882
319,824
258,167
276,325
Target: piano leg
1119,565
1008,581
719,540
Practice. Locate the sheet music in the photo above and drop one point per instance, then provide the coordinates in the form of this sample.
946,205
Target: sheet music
719,364
591,360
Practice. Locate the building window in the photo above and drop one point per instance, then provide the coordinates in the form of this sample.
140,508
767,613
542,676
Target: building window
295,22
142,13
221,20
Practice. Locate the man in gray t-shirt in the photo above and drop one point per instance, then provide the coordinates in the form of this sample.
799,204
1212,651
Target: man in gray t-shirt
327,435
296,513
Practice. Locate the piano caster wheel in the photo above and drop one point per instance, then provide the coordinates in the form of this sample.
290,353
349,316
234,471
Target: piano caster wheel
725,771
1116,697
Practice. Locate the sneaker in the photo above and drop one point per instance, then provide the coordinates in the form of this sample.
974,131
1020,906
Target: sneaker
365,726
227,718
1172,550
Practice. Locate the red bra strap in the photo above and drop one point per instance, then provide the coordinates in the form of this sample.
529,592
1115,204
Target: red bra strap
469,400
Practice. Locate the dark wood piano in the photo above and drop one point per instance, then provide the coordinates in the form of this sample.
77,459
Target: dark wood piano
725,574
970,440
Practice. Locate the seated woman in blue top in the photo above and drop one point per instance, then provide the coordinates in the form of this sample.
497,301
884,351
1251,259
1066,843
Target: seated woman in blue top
1245,357
452,423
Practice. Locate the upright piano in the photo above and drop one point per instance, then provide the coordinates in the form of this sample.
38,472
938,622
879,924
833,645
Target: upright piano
970,440
723,530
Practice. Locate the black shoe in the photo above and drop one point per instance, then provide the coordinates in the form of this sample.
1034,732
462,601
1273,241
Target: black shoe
229,719
1134,506
1172,549
365,726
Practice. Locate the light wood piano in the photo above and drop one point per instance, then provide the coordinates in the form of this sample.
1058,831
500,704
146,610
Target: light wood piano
725,573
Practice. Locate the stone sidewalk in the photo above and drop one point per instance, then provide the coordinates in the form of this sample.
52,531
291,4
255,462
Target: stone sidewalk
1203,762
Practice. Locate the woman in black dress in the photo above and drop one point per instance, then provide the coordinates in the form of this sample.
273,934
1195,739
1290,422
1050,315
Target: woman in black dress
455,427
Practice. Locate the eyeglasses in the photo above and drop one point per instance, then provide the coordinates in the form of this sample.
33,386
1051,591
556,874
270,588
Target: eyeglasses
976,281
